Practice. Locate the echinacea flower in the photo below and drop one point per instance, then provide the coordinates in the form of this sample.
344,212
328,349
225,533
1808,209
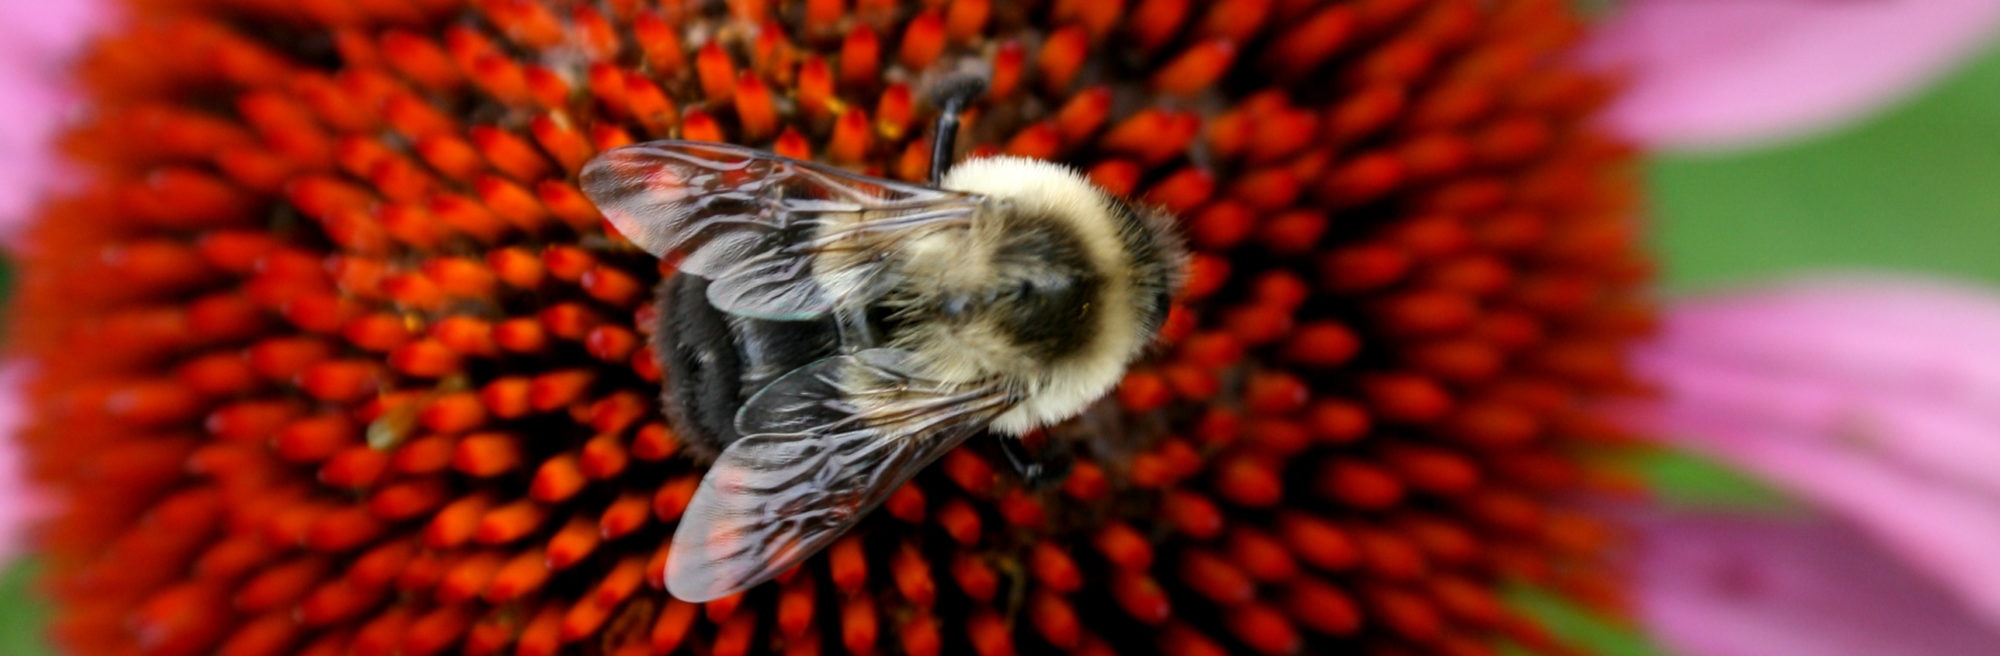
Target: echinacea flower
339,360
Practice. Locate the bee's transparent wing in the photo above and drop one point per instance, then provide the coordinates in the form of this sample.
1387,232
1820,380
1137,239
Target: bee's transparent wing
752,221
822,446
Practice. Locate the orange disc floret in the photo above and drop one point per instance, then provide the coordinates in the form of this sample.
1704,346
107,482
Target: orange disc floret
339,359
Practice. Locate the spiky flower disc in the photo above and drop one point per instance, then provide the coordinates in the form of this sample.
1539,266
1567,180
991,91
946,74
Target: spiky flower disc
334,358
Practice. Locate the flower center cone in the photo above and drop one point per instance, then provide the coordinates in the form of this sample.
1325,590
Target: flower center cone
332,356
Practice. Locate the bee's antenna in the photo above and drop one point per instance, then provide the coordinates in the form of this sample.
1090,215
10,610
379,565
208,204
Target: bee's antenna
951,96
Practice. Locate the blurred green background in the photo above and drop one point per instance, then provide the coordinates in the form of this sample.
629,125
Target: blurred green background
1916,188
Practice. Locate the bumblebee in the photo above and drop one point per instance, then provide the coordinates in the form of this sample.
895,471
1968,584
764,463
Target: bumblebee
828,335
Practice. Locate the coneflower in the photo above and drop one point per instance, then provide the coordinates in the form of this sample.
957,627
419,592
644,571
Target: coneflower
334,357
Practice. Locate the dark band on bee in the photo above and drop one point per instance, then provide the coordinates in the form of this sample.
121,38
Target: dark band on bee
1052,289
714,360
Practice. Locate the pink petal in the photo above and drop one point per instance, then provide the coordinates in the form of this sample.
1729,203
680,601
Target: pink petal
1710,585
1846,359
1878,399
1710,73
37,41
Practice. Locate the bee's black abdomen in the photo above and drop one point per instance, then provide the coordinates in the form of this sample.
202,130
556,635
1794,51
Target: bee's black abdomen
700,392
714,361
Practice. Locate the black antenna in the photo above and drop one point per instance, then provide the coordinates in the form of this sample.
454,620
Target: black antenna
951,96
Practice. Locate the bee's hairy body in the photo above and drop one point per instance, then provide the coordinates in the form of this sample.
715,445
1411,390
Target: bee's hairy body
829,335
1051,292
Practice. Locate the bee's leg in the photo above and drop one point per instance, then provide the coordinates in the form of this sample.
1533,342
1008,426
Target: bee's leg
1038,470
951,96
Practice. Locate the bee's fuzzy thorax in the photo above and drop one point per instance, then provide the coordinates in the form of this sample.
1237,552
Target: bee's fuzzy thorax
1127,269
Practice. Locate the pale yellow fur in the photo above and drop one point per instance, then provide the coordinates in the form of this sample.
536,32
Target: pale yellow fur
959,261
1053,391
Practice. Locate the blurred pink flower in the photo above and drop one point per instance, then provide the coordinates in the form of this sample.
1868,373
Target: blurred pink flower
1731,585
37,41
1710,73
1875,399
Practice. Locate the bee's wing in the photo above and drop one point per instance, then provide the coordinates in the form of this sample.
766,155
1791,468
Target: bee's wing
751,221
821,447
